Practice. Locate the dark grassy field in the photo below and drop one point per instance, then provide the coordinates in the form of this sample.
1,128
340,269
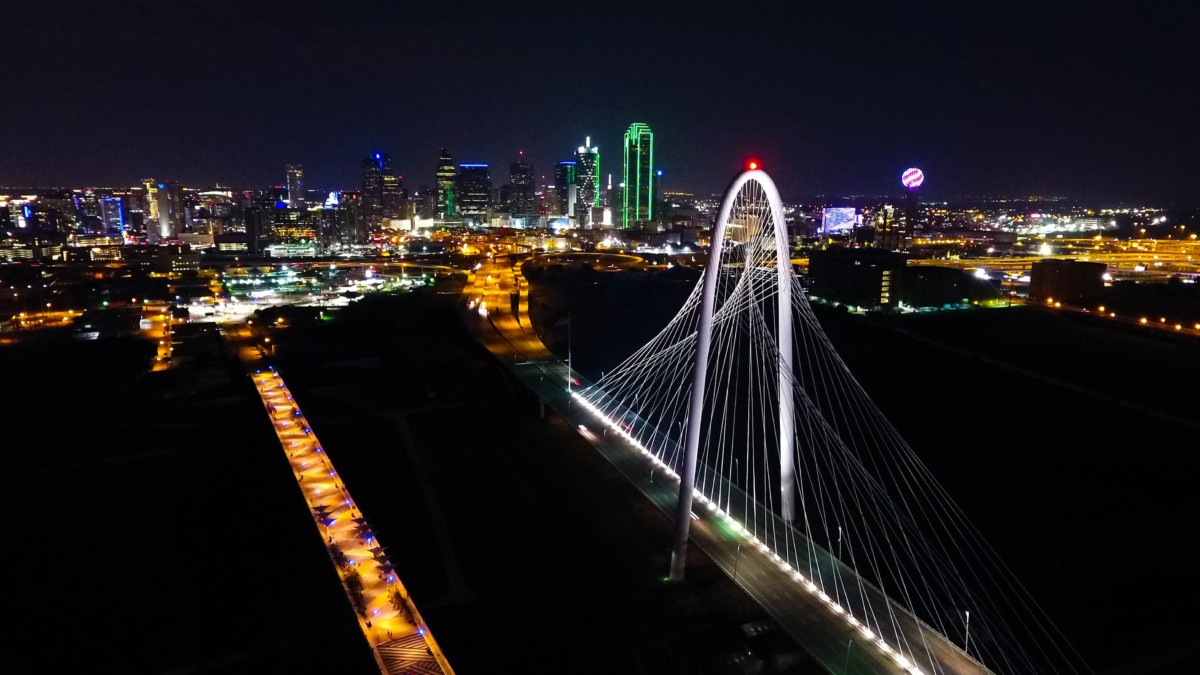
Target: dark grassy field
156,536
532,549
1072,447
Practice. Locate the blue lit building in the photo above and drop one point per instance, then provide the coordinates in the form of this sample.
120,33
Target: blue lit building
112,215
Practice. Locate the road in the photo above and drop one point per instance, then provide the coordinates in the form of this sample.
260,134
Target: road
490,296
1102,312
159,323
1156,258
808,616
399,638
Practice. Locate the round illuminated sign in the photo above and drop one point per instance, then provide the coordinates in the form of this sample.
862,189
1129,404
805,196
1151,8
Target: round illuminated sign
912,178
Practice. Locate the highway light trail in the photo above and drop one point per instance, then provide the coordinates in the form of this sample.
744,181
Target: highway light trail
387,616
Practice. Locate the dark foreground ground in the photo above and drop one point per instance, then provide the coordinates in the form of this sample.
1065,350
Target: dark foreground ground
155,534
524,549
166,534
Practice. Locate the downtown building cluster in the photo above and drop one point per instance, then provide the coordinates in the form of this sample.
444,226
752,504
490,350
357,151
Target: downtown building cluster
577,194
290,219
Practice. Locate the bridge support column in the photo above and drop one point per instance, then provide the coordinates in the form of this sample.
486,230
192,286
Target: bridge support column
704,327
687,476
787,406
695,420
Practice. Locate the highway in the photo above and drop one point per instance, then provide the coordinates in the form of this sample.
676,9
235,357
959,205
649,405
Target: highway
399,638
841,646
1103,312
489,295
1153,257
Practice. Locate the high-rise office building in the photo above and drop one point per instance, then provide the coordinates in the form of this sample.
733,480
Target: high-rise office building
348,228
587,180
520,177
564,184
395,197
474,189
294,226
638,189
295,186
896,233
112,215
890,229
169,205
447,202
151,201
375,169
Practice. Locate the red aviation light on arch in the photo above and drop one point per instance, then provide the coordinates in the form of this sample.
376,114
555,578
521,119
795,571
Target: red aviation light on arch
752,165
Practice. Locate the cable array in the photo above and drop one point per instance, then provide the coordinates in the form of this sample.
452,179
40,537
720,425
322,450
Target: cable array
872,528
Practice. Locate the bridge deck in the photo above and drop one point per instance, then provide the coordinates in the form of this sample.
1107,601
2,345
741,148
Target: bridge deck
387,616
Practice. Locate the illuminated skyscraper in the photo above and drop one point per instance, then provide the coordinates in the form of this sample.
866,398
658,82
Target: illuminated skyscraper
564,184
474,189
112,214
638,189
374,170
447,202
520,176
394,196
169,205
152,203
295,186
587,180
896,233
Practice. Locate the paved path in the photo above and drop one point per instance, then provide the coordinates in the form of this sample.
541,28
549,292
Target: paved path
387,616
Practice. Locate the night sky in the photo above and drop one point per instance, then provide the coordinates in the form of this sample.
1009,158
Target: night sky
1093,100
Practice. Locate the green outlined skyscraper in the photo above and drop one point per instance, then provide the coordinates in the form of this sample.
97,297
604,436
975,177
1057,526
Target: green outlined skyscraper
447,203
637,188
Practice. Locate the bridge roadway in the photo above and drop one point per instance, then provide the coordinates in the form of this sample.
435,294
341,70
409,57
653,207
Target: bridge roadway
828,637
399,638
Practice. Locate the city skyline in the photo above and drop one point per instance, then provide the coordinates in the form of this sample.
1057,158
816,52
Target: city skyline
818,338
1084,102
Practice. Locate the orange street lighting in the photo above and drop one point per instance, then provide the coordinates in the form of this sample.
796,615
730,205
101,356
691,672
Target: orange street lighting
1142,320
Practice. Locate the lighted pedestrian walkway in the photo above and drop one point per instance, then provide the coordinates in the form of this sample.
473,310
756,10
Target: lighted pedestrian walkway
387,616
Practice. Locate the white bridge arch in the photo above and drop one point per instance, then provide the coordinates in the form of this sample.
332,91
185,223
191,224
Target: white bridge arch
758,210
743,399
